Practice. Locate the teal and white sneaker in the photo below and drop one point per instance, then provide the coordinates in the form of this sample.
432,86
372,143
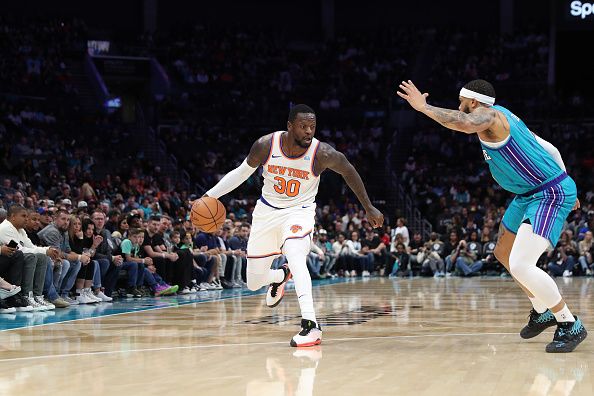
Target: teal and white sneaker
567,337
537,323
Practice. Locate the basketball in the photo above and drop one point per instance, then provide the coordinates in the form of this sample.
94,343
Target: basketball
208,214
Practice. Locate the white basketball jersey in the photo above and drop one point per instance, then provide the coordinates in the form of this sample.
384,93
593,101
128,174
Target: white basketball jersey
289,181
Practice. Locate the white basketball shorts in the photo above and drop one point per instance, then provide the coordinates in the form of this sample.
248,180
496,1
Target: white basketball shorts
272,227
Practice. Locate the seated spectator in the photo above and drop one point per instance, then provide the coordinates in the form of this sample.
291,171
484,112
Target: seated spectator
202,265
232,266
314,261
413,248
362,259
31,259
84,279
377,253
329,257
401,229
466,259
586,248
69,263
123,226
490,263
91,243
108,263
430,257
560,260
345,264
401,265
449,248
168,264
209,240
238,243
49,290
134,263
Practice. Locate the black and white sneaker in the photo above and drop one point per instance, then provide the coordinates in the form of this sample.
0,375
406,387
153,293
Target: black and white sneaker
5,309
567,337
537,323
276,291
133,292
19,302
310,334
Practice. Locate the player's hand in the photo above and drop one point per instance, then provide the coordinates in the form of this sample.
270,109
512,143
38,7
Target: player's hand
414,97
375,217
577,204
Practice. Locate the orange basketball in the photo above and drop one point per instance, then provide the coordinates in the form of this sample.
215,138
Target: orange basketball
208,214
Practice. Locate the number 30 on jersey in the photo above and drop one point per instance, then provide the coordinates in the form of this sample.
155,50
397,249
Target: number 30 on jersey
289,188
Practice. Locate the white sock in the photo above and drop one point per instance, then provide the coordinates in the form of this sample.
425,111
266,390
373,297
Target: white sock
537,305
276,275
564,315
296,251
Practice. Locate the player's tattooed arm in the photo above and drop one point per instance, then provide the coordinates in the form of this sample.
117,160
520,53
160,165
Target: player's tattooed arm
328,158
260,151
479,120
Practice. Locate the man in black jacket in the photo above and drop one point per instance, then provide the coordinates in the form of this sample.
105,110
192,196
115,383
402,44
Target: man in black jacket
108,263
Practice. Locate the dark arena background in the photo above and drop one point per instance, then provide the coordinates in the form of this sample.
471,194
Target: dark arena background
116,116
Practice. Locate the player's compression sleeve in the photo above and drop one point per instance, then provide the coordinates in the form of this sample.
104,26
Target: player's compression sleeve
549,148
231,180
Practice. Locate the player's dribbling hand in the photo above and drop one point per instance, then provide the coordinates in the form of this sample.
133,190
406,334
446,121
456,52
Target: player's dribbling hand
375,217
412,95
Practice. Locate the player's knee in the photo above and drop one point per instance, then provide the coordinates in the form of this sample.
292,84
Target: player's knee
518,264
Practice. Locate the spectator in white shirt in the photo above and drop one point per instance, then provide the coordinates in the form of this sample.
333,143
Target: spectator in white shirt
35,263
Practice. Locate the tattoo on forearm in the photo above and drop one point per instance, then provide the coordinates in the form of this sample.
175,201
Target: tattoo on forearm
448,118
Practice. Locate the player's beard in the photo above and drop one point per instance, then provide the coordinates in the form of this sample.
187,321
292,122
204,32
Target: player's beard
302,143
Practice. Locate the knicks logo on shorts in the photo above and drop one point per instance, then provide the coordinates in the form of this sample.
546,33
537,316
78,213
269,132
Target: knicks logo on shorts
296,228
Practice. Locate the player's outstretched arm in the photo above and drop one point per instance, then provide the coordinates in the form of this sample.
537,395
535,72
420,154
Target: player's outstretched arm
257,156
479,120
328,158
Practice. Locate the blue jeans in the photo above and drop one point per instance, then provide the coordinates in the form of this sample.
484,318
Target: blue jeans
49,290
132,269
101,267
448,263
558,269
313,264
152,279
468,269
67,277
583,263
369,263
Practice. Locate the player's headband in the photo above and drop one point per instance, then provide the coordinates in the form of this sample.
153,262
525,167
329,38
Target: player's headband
467,93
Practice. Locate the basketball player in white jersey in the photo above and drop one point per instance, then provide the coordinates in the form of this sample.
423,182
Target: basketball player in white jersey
283,220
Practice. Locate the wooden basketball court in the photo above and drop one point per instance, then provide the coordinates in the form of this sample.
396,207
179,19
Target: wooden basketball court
381,337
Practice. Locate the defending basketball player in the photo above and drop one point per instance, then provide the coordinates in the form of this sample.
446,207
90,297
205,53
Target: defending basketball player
532,168
283,219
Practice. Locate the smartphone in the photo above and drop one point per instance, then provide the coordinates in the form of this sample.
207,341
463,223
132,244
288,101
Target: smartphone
12,244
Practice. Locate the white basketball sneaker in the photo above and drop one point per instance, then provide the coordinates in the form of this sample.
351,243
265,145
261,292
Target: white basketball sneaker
310,334
276,291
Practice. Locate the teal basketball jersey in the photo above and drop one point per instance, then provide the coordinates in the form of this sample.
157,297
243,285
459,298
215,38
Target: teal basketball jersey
521,165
